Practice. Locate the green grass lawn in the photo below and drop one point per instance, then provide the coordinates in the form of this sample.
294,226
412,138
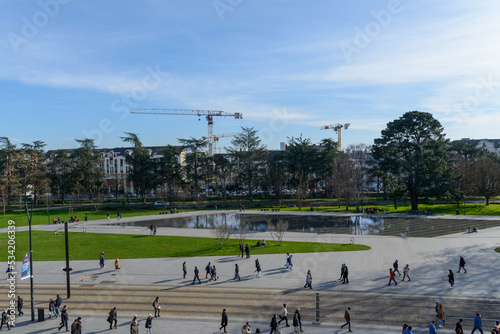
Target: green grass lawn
48,246
441,209
40,216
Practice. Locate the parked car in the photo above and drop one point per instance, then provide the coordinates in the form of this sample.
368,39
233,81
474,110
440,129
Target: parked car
160,204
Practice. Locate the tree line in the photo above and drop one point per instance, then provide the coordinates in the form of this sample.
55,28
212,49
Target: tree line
411,159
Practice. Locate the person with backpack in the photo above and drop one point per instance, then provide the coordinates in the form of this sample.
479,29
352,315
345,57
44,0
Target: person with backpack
149,325
64,318
113,316
207,269
156,306
273,325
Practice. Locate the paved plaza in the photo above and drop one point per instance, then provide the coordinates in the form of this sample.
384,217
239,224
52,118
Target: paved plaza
429,259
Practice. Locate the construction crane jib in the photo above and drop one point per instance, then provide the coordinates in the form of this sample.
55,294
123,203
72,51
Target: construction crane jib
337,128
209,116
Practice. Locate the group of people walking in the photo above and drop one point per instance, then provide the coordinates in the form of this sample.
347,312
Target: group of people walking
459,329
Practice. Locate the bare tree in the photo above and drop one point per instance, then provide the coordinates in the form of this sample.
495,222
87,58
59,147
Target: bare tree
242,231
222,232
277,231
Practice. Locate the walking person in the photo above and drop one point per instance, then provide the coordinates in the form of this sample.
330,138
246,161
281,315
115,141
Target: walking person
308,279
258,269
246,329
287,262
395,265
461,265
406,272
223,323
52,308
58,304
347,317
273,325
196,277
409,330
237,272
64,318
345,275
290,264
76,326
432,328
184,269
284,315
392,277
5,320
297,312
149,325
451,278
113,317
20,303
117,263
134,327
156,306
296,326
214,273
458,327
102,259
342,272
247,251
208,268
107,215
477,323
440,314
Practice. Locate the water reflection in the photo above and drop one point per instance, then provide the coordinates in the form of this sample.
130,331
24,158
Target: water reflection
419,226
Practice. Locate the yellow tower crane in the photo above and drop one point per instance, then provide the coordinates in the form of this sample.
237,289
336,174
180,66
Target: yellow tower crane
216,139
209,115
337,128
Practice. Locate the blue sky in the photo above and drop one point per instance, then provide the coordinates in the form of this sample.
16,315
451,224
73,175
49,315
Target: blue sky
71,69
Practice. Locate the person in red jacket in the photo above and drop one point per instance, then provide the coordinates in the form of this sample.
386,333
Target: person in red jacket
392,277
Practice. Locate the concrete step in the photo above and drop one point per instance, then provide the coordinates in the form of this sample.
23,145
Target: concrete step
208,301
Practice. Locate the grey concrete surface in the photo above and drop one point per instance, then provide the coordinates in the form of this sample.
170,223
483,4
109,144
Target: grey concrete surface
166,325
429,259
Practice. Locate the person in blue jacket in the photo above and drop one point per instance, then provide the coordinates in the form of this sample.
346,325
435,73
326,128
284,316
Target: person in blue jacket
432,328
477,323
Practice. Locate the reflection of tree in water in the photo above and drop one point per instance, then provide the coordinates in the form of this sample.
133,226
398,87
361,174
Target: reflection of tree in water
418,226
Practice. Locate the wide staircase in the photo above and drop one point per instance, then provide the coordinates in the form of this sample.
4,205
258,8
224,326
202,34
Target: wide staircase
256,304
